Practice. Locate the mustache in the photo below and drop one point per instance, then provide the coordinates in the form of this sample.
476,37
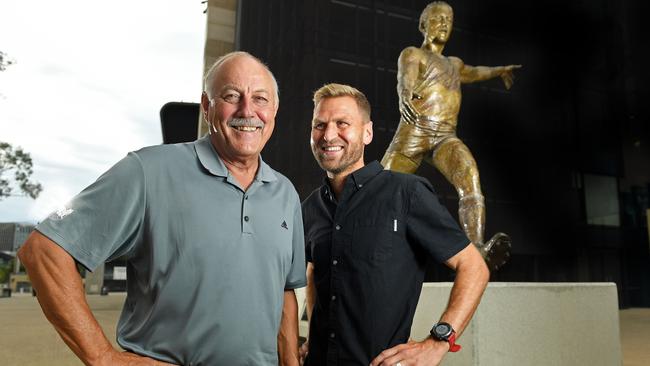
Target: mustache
245,122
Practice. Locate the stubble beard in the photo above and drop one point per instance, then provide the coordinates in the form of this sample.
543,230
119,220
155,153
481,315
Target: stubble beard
352,154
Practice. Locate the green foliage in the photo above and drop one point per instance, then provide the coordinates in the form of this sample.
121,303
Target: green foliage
20,163
5,270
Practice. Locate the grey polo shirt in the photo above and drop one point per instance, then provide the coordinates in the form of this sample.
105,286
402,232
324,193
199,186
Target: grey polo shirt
207,263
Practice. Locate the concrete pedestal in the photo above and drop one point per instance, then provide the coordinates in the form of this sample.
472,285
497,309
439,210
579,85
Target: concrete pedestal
530,324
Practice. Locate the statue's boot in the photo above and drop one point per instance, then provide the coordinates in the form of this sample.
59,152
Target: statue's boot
496,251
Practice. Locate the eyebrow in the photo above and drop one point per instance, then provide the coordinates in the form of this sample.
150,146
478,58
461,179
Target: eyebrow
239,90
230,87
342,117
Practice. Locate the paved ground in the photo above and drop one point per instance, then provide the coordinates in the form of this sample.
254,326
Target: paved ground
27,339
635,336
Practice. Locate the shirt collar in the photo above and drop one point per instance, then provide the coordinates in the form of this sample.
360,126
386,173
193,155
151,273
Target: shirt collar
212,162
359,178
369,171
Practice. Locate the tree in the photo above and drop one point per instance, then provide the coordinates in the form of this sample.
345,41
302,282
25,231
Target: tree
20,162
5,271
5,61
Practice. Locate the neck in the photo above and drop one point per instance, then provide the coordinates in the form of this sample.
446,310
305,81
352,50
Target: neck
433,46
243,169
337,180
243,173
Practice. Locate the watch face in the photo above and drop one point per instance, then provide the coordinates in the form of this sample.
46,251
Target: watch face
443,329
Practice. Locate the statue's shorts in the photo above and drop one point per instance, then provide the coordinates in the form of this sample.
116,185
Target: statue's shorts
415,139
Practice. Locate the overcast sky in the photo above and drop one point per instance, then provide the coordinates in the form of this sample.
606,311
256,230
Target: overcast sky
88,84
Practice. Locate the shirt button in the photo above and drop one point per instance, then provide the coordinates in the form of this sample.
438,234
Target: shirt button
360,185
338,227
332,335
335,262
246,218
245,197
333,297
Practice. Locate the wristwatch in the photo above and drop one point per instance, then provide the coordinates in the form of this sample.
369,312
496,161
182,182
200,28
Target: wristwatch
445,332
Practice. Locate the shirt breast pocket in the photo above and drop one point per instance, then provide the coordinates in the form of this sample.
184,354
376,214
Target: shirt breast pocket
374,239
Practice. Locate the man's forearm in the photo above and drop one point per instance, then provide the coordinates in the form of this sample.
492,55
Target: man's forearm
472,277
288,333
54,276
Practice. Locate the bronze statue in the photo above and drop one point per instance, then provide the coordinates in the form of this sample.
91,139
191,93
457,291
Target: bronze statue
428,85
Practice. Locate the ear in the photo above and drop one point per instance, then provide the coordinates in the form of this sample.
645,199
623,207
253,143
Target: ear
367,133
205,106
276,107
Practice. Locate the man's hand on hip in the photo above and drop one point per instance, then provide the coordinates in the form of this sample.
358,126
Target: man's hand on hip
427,352
303,351
116,358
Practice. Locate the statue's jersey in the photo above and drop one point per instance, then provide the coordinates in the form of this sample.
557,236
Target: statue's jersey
437,93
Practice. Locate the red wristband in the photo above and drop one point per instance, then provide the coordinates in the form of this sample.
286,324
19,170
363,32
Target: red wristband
453,347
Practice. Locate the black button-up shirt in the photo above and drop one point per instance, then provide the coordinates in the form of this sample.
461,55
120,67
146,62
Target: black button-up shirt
369,252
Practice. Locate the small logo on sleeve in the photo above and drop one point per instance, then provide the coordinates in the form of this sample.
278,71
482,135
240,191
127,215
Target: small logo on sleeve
284,225
61,213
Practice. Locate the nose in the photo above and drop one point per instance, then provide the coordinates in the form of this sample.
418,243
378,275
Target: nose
245,107
331,132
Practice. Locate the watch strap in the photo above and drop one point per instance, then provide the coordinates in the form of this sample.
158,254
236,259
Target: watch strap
453,347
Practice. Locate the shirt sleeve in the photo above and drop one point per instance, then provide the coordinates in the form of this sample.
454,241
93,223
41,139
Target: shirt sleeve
102,222
297,275
430,224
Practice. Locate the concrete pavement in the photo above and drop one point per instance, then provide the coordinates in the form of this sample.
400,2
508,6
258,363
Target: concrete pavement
27,339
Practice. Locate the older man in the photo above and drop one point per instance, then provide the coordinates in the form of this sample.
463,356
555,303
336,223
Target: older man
212,235
369,234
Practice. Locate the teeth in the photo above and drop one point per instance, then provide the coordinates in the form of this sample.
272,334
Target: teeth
333,148
246,128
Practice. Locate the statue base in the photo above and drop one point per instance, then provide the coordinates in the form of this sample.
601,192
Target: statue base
532,324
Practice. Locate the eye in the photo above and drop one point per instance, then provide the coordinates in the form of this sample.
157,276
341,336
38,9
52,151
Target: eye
260,100
231,97
319,126
342,123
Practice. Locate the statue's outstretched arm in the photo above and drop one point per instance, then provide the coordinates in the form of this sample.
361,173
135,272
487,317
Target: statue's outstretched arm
470,74
407,73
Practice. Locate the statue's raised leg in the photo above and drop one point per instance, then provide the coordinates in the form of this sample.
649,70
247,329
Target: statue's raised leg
454,160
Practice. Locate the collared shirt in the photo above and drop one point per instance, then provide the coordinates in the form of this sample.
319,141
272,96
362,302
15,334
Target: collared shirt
369,250
207,262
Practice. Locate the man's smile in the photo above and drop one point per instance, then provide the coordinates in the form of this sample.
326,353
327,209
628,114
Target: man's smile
246,128
332,148
330,151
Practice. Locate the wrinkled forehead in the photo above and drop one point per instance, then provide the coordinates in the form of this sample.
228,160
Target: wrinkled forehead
238,69
242,69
